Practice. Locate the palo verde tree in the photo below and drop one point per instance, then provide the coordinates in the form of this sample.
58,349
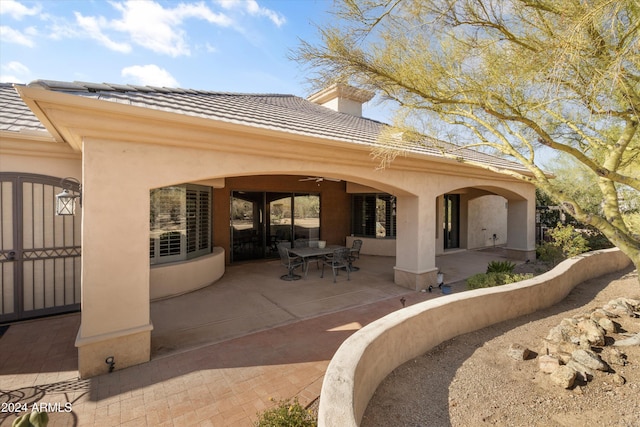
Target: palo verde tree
510,77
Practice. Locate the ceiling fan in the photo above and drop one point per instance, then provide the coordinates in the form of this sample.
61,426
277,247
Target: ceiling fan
319,179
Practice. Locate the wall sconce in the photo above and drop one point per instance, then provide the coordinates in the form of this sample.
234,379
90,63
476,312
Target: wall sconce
65,201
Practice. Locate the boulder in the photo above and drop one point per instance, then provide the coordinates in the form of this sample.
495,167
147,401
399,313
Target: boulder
518,352
548,364
589,359
564,376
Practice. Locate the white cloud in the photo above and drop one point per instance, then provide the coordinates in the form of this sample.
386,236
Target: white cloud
17,10
159,29
10,35
151,75
93,28
254,9
12,71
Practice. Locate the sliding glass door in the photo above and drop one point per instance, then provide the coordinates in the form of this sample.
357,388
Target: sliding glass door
451,221
261,220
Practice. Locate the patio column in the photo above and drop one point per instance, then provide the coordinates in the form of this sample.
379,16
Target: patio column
521,229
115,318
415,242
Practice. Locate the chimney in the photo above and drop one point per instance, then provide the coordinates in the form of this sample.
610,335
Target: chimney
342,98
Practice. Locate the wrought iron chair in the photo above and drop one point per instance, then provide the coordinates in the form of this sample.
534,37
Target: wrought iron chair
290,262
354,254
339,259
306,243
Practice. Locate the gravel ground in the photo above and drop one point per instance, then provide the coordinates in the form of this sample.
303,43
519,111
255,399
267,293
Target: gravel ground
471,381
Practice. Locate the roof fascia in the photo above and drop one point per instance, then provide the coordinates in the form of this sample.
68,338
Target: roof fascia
72,118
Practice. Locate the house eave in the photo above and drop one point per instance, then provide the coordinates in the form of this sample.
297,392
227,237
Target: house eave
72,119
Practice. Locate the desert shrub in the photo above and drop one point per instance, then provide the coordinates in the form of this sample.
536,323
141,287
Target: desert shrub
570,241
596,240
287,413
500,267
566,242
488,280
550,253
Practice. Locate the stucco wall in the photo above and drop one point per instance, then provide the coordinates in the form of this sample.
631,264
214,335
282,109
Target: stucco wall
369,355
178,278
487,216
371,246
39,157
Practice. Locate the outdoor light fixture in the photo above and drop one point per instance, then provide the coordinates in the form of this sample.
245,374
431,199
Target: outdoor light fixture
65,201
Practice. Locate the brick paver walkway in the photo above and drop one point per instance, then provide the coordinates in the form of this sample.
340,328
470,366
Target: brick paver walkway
221,384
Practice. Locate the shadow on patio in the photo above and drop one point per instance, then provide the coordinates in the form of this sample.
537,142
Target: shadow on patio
251,297
208,364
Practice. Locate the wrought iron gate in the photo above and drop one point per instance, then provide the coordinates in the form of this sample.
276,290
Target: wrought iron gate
39,251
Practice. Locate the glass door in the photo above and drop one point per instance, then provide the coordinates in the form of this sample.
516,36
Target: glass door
262,220
247,225
451,221
280,222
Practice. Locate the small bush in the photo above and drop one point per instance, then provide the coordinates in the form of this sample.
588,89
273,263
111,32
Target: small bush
500,267
570,241
488,280
550,253
287,413
566,243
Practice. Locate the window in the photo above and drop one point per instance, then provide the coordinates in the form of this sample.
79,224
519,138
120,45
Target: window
373,215
180,223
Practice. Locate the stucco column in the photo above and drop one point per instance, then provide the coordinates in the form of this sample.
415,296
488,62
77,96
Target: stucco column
521,242
415,242
115,319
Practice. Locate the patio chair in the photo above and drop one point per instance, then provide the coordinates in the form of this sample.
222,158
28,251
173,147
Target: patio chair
305,243
290,262
354,254
339,259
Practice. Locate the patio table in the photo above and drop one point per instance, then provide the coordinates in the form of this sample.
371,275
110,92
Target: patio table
307,253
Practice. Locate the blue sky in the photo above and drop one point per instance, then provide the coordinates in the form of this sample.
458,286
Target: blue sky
219,45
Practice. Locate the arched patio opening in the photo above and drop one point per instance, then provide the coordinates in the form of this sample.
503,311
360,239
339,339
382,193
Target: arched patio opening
484,217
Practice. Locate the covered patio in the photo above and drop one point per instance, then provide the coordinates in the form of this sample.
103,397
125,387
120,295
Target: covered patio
179,185
251,297
209,363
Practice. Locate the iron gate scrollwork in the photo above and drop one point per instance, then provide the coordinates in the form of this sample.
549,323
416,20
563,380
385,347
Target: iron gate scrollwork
39,251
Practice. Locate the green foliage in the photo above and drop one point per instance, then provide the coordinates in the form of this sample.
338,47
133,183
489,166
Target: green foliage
570,242
488,280
443,62
500,267
550,253
567,242
32,419
287,413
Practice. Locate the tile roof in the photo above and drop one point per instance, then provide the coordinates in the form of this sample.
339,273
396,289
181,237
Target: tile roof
15,116
288,113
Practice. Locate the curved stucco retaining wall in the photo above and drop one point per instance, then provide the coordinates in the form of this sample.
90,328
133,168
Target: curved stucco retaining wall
179,278
369,355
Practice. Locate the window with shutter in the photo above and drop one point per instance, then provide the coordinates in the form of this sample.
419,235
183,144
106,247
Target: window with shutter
373,215
180,223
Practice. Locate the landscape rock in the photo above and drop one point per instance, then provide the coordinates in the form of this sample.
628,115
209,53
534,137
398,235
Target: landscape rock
548,364
619,306
607,324
594,333
617,379
518,352
589,359
564,376
557,347
634,340
614,356
582,372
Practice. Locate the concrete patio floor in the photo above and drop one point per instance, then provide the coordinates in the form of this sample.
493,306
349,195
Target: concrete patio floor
220,354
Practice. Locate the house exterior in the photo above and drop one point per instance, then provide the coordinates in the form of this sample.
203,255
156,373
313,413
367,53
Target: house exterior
176,184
